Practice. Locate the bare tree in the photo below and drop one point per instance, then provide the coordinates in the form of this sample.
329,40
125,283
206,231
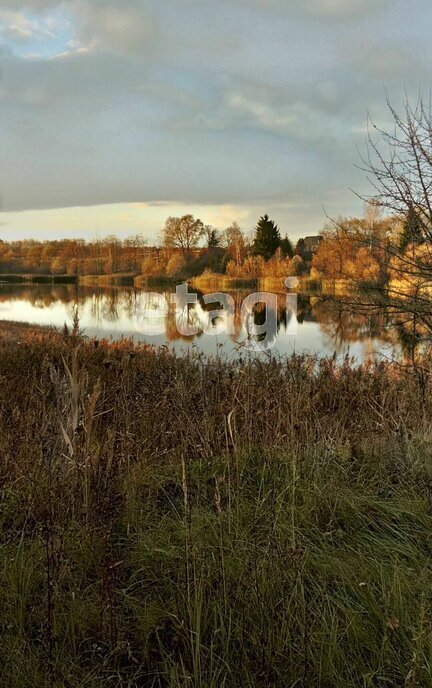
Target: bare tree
399,166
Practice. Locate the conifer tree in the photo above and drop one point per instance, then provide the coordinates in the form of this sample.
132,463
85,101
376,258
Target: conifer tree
267,238
286,247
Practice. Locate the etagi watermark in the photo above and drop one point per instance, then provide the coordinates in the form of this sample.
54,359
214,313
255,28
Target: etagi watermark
258,315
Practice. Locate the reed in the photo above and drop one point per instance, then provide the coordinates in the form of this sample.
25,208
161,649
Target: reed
199,522
216,281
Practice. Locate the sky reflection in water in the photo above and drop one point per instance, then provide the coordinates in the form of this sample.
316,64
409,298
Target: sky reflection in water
321,329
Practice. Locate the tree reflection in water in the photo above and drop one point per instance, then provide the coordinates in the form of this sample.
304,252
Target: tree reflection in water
112,310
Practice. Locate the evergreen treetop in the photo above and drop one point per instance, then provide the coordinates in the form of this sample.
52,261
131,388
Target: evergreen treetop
267,238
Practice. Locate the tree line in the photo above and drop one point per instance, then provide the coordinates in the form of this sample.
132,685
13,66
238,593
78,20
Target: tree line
72,256
186,247
369,250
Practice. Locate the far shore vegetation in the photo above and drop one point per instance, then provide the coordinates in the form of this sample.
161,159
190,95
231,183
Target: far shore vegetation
345,254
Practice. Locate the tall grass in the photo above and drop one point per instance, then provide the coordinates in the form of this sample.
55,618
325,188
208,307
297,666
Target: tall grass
213,280
195,522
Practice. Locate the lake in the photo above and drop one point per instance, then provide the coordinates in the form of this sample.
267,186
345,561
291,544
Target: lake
312,327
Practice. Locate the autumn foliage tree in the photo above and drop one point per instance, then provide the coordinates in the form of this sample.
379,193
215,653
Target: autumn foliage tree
234,243
176,266
183,232
72,257
345,254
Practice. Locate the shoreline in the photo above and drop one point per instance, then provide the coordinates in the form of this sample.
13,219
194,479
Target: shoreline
13,329
213,281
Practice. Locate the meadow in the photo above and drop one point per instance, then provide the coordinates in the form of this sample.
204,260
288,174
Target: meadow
188,521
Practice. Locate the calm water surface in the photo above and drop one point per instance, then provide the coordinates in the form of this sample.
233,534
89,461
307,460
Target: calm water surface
112,313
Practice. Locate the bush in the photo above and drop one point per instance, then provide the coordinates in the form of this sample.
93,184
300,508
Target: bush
297,266
277,267
252,268
153,266
176,266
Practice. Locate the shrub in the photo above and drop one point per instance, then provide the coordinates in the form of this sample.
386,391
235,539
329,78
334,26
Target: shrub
277,267
297,266
153,266
176,266
252,268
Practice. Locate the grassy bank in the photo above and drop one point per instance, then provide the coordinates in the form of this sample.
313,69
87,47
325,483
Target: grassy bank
115,280
339,287
143,281
16,331
209,280
191,522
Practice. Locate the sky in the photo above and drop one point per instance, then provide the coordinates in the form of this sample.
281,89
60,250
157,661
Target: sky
115,114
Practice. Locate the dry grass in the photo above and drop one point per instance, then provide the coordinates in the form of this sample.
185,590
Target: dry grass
16,332
216,281
193,522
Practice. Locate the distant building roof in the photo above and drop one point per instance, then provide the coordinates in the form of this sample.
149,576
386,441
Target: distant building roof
312,240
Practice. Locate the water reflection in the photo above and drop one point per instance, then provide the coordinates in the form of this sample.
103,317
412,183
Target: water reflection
321,327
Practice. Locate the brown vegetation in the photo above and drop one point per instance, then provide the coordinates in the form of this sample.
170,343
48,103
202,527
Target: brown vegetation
174,522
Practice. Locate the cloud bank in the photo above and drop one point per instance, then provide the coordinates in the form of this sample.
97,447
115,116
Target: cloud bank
248,104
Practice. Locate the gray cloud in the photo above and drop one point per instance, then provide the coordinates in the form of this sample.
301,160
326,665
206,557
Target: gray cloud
348,8
129,27
250,103
322,9
35,5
